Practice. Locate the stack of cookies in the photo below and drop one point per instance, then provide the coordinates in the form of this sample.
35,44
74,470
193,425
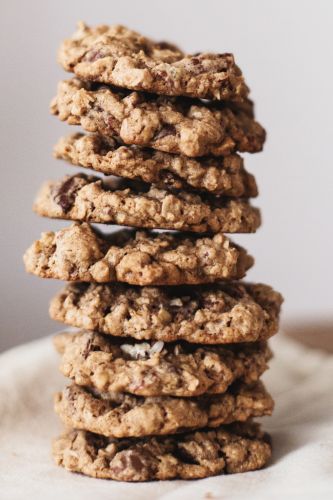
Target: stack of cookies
165,365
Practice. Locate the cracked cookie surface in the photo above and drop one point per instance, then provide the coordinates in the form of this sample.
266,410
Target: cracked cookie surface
123,415
110,364
80,253
174,125
119,56
116,201
222,313
217,175
226,450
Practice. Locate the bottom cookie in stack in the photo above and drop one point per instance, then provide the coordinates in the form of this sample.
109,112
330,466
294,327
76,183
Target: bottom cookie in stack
227,449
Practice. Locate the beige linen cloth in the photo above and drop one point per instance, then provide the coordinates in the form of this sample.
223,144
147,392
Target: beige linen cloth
300,379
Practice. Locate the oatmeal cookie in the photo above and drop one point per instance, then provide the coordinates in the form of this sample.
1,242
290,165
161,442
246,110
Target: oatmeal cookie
80,253
123,415
116,201
174,125
214,314
111,364
119,56
226,450
224,175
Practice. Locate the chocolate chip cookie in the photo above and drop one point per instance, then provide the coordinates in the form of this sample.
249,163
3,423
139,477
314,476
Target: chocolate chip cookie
170,124
80,253
110,364
226,450
224,175
123,415
215,314
119,56
116,201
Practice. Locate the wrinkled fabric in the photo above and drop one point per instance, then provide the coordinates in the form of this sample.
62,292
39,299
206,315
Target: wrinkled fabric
300,380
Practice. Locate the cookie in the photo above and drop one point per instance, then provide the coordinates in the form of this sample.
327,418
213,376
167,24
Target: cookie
119,415
226,450
170,124
80,253
110,364
119,56
116,201
216,175
218,314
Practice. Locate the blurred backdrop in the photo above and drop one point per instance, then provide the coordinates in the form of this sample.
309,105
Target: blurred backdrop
285,51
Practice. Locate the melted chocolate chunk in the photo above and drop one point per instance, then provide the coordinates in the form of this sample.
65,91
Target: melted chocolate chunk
65,194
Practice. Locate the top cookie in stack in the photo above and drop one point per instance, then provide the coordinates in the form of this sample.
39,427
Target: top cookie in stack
115,55
170,127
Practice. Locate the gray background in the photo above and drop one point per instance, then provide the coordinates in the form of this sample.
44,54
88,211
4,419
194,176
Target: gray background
285,50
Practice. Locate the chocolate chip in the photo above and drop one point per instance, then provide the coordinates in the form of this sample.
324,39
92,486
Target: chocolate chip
136,462
168,129
65,194
130,459
97,441
184,455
